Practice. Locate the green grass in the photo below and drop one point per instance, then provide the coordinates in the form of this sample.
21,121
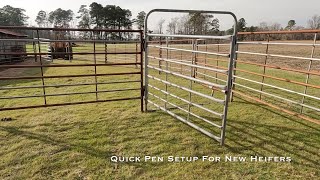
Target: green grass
76,142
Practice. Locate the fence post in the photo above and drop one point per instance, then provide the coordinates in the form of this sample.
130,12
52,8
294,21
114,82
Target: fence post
191,75
106,50
125,50
196,48
41,68
205,59
264,67
217,64
309,68
234,71
181,58
217,60
167,68
137,54
35,48
142,48
146,70
160,54
95,68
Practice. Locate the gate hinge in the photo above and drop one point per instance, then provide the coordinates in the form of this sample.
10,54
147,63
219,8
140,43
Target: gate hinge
144,44
143,90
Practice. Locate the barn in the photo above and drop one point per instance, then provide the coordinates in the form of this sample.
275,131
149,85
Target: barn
7,47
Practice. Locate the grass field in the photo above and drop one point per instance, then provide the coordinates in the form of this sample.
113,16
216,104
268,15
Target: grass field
76,142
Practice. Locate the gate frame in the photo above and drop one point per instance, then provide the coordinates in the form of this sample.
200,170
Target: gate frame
232,55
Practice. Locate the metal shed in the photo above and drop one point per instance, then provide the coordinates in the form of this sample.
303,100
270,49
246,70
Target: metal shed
9,47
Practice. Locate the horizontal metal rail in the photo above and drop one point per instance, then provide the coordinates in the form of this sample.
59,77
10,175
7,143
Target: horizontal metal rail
191,36
67,76
188,90
222,87
66,53
215,59
277,55
280,68
188,102
180,70
278,43
304,31
68,104
210,65
191,113
177,60
215,78
208,45
279,88
177,40
68,94
174,68
187,122
190,65
192,51
49,40
66,85
67,65
279,79
278,97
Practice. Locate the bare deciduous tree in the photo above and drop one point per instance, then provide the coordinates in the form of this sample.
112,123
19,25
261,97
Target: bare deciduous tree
183,25
172,26
275,27
160,25
269,27
314,22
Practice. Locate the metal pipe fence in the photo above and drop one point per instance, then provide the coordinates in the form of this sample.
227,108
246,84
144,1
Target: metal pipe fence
280,74
285,76
74,73
190,79
289,78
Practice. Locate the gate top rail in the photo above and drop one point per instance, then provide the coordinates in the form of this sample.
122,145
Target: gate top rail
191,11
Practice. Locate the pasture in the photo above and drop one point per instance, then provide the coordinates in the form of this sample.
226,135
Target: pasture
76,142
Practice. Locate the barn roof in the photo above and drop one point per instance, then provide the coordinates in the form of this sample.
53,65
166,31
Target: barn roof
11,33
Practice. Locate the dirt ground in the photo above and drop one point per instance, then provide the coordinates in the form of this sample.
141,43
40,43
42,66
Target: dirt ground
10,72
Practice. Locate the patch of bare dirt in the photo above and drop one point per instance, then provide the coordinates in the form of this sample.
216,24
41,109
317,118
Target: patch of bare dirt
11,72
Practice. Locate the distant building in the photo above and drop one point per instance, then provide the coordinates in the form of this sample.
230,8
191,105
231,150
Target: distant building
7,46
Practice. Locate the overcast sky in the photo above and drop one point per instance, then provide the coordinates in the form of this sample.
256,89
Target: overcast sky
254,11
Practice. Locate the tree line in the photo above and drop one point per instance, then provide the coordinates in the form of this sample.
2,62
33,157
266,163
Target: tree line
98,16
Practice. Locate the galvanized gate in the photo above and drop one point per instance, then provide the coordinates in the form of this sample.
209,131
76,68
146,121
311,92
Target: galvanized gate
172,82
92,66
